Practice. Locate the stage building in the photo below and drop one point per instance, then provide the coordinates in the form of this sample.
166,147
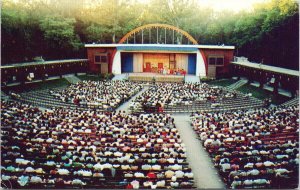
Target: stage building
200,60
160,48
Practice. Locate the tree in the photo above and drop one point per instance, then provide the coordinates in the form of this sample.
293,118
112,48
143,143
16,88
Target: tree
59,28
95,33
59,33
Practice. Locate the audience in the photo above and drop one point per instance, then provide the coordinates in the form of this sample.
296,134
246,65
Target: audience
254,148
66,148
62,148
101,94
172,94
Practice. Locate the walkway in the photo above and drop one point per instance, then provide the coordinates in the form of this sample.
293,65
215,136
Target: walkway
125,106
205,174
237,84
72,79
4,96
122,76
191,78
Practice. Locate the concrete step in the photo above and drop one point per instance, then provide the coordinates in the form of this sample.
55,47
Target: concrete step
4,96
268,88
122,76
191,79
255,84
72,79
284,92
292,102
236,85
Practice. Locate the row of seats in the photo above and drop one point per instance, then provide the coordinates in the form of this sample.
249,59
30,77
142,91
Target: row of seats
106,94
174,98
256,148
45,99
238,103
64,148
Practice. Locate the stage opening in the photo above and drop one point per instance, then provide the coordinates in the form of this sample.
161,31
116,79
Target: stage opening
164,63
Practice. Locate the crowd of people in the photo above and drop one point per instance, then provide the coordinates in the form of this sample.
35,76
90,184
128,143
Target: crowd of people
172,71
106,95
255,148
90,149
173,94
64,148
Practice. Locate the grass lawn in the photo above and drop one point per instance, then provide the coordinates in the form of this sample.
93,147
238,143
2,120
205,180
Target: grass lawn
222,82
37,86
262,94
52,84
96,77
90,77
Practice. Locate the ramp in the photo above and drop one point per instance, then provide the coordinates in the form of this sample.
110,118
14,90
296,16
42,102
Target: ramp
4,96
122,76
191,79
236,85
284,92
72,79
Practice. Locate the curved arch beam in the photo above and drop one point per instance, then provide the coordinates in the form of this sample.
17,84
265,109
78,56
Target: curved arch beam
149,26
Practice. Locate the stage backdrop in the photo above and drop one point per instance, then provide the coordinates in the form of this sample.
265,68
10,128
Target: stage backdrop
181,61
137,62
157,58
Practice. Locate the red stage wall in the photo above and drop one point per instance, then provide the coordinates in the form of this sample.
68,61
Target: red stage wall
91,52
228,57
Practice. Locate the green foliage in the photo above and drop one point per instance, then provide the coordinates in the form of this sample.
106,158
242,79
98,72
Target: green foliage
59,28
222,82
90,77
95,33
105,76
204,79
59,32
256,92
56,83
263,94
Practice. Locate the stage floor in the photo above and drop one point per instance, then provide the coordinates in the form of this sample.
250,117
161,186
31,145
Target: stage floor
148,77
157,76
148,74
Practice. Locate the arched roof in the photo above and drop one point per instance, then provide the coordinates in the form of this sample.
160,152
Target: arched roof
165,26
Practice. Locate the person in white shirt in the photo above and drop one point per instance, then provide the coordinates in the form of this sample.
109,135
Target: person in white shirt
135,184
189,173
139,175
179,174
36,179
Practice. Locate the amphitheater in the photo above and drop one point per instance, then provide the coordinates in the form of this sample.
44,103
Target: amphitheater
150,116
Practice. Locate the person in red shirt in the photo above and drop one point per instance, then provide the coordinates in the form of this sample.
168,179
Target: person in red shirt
164,133
160,109
129,186
151,175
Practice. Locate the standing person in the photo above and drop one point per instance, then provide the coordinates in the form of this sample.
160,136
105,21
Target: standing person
160,109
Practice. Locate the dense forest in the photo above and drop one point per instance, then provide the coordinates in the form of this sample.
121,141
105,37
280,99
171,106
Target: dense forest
58,29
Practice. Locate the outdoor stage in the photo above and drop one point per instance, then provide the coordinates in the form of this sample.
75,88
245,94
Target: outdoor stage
148,77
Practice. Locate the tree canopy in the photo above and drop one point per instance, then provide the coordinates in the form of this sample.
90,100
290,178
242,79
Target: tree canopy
57,29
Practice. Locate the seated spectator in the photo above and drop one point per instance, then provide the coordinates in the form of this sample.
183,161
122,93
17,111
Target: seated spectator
100,94
76,147
251,147
175,94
